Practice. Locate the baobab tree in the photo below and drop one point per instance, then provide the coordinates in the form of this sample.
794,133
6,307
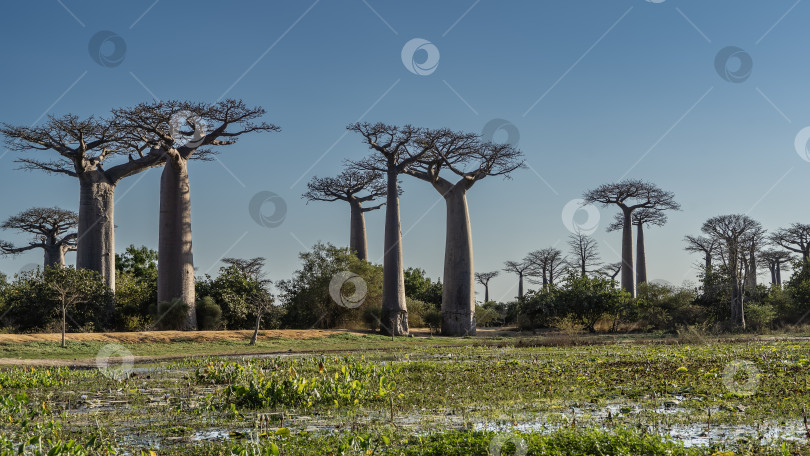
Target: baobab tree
775,259
640,218
50,227
483,278
82,148
468,159
611,270
356,188
733,232
585,251
396,148
752,243
795,238
708,246
181,131
547,263
630,195
522,269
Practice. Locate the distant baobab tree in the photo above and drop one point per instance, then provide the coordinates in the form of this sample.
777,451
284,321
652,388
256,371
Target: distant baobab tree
733,232
708,246
775,259
585,251
82,148
630,195
546,263
356,188
181,131
483,278
396,148
795,238
51,228
522,269
611,270
641,217
465,158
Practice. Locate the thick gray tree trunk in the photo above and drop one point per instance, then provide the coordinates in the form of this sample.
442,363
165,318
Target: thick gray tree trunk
458,299
627,253
96,242
175,258
779,273
520,285
54,255
357,233
394,316
486,293
772,267
641,257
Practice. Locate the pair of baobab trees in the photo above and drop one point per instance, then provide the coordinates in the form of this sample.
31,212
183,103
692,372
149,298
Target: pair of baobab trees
170,133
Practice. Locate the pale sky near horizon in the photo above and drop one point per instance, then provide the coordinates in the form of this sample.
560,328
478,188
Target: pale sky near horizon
597,91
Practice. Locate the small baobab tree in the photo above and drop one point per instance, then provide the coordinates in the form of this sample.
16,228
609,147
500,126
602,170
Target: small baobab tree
483,278
82,148
631,195
52,229
547,263
610,270
776,260
181,131
641,217
585,252
467,159
395,149
795,238
523,268
708,246
356,188
733,233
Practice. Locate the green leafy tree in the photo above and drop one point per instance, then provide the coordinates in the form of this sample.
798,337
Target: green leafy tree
306,299
136,287
419,286
587,299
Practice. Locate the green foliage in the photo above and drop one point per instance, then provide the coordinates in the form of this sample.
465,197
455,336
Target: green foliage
209,314
539,308
488,315
135,287
421,288
759,316
171,315
141,262
31,304
306,299
663,307
239,297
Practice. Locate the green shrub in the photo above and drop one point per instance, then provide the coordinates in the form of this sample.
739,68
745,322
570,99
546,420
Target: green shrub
209,314
433,318
759,316
171,315
487,315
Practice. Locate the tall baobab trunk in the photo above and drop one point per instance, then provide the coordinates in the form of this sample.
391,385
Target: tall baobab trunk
175,258
772,267
641,257
486,293
708,259
394,316
458,300
779,273
96,242
545,280
54,255
357,234
751,274
627,253
520,286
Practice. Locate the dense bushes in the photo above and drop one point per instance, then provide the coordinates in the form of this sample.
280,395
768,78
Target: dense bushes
209,314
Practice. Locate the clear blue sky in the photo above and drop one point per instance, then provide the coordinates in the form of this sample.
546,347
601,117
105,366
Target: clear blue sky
625,89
